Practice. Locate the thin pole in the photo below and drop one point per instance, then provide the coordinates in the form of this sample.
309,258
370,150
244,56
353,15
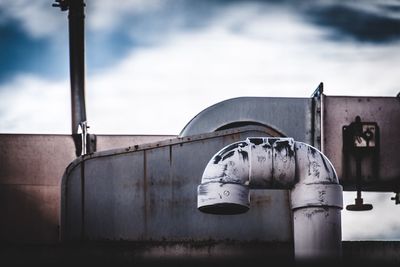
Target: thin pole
76,18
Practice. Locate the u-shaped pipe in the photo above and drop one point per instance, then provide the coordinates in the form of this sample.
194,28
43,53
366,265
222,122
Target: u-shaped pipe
279,163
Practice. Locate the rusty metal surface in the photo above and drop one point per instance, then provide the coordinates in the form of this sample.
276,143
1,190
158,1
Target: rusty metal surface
34,159
289,117
107,142
149,193
30,171
339,111
38,159
31,167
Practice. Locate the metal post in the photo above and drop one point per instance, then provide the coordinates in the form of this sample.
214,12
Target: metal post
76,18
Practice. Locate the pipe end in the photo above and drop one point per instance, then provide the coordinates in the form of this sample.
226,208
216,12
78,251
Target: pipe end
224,209
223,198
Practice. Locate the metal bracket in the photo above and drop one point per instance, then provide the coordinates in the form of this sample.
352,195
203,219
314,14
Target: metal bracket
316,116
318,92
65,5
85,143
62,4
396,198
360,139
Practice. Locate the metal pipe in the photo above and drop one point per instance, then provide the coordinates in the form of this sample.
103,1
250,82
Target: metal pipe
279,163
76,19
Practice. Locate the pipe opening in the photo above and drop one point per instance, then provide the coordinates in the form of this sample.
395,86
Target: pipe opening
223,198
224,209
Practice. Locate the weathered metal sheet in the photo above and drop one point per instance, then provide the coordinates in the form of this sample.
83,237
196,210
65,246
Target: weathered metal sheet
149,193
34,159
31,167
289,117
340,111
107,142
114,197
74,206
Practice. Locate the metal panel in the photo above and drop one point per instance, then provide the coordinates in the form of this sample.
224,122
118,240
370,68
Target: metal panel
106,142
72,206
125,201
289,116
34,159
340,111
161,190
114,197
31,167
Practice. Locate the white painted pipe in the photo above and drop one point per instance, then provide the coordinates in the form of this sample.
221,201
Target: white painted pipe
279,163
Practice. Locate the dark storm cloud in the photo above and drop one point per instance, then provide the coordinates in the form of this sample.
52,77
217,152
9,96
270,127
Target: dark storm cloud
357,23
367,21
20,53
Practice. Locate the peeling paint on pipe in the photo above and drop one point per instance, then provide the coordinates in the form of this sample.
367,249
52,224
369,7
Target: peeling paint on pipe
279,163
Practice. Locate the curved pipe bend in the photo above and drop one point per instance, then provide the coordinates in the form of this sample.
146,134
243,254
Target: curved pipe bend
267,163
279,163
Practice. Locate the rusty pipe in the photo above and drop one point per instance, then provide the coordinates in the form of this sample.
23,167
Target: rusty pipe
279,163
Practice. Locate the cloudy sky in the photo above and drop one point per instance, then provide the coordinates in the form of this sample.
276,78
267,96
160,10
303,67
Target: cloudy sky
152,65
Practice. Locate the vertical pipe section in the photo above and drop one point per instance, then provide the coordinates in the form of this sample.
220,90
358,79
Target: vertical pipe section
76,18
316,201
317,234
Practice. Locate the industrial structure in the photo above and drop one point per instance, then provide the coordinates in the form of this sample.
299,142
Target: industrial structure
87,198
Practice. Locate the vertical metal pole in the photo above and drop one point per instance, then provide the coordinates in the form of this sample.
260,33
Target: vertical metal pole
76,18
84,142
